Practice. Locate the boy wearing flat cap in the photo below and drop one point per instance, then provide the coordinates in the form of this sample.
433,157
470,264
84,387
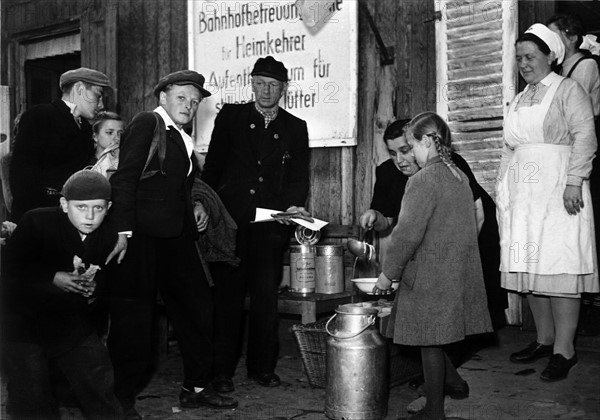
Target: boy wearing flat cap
55,140
257,157
53,271
158,225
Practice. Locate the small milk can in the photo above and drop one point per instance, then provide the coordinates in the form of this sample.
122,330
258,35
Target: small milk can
329,269
357,381
302,268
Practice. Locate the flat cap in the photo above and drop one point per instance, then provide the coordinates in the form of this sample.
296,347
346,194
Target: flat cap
182,78
85,185
270,67
83,74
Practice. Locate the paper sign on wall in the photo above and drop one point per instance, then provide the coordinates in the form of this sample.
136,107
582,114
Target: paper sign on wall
317,42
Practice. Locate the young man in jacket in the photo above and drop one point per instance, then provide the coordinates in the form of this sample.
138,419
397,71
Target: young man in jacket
158,225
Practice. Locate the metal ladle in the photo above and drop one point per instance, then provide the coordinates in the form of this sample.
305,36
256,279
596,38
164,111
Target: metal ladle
363,249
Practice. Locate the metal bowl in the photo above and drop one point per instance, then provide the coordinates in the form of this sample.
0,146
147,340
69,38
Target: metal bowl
366,284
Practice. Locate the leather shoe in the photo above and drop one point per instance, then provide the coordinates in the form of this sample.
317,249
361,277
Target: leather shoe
269,380
223,384
458,391
132,414
205,398
558,368
416,383
532,352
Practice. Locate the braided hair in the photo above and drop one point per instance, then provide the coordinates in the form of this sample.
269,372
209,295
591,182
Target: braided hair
432,125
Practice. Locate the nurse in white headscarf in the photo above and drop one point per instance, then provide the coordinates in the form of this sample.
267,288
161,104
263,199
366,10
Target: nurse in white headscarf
543,200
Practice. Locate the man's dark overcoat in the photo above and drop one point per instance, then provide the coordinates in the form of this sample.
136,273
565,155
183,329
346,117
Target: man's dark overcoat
49,147
249,170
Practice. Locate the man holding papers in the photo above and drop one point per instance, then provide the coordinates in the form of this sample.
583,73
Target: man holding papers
257,158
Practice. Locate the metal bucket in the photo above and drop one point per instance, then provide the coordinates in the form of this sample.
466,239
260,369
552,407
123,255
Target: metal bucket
302,268
329,269
357,378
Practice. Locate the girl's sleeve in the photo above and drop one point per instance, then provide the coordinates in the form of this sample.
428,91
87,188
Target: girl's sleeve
417,207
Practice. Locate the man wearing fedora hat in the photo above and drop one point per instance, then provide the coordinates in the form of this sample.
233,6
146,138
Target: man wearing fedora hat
257,157
158,225
55,140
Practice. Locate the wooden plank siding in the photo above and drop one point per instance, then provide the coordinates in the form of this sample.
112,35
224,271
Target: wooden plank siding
99,42
389,92
152,42
475,69
151,38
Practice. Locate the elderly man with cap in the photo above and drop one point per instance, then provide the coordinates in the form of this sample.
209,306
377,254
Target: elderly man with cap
52,275
258,157
54,140
158,224
543,198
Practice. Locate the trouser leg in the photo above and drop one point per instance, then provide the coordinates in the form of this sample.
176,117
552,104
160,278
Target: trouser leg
266,252
30,394
188,301
130,346
229,298
88,369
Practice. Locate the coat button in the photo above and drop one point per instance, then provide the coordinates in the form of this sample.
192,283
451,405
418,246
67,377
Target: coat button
252,192
260,179
276,136
252,126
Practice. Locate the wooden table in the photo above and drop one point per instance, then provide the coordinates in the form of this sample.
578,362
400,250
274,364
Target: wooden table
311,304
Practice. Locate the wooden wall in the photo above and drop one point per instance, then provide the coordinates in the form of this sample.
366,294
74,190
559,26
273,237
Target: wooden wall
343,178
152,40
20,17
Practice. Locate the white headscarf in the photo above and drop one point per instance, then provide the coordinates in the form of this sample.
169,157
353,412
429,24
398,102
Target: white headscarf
551,39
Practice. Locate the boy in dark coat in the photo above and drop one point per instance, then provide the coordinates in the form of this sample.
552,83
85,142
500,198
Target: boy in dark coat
52,276
55,140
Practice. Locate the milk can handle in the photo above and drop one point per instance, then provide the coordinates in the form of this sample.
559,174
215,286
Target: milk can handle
369,323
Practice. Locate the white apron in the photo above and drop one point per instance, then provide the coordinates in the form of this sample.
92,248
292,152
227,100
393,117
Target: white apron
543,248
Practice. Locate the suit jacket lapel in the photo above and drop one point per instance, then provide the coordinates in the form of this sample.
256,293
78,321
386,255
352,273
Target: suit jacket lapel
176,138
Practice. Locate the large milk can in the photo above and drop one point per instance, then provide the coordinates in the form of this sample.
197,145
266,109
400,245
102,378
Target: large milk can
357,382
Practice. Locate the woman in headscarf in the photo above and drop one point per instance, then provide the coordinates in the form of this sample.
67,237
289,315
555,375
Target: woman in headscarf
543,200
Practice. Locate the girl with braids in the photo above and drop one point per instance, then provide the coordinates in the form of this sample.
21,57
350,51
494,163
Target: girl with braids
433,251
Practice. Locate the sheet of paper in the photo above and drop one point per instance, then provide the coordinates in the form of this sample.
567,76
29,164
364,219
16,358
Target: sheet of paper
264,215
